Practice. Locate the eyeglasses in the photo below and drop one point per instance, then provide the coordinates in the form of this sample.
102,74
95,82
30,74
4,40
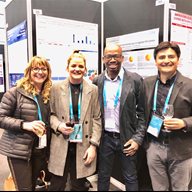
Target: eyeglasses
115,56
37,69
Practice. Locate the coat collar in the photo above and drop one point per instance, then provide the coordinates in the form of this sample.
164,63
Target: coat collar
86,96
125,88
23,92
178,84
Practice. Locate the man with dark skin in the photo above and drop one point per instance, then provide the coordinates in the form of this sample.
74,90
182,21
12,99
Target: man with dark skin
123,123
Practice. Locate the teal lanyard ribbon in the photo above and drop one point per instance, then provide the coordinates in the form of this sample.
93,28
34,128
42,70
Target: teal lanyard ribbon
71,104
39,109
116,97
167,98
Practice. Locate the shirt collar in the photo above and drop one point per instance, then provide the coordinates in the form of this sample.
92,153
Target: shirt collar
169,81
119,76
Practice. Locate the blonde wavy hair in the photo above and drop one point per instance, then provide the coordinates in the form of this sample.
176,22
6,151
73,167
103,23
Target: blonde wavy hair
26,82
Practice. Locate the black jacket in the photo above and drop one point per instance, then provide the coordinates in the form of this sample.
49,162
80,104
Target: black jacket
179,140
16,107
132,103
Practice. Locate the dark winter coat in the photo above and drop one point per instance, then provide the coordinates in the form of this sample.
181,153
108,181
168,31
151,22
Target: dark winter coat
16,107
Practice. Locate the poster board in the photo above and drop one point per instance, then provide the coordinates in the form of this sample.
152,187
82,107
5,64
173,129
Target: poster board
2,29
57,38
181,33
2,24
2,83
137,51
17,51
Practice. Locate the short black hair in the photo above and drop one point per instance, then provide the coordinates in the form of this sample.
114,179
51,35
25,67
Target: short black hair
165,45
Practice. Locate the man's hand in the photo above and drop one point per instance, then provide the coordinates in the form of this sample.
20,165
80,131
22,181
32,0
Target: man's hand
130,147
174,124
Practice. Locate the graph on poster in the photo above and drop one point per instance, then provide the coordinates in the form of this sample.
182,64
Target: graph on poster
57,38
85,40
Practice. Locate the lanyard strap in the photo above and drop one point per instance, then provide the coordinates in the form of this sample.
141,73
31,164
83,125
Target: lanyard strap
117,94
39,110
167,98
71,104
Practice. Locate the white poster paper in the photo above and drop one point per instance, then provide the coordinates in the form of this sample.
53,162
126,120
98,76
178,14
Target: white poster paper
57,38
17,52
140,61
2,27
138,40
181,33
2,84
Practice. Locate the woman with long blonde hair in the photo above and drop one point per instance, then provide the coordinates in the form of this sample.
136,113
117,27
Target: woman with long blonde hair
24,115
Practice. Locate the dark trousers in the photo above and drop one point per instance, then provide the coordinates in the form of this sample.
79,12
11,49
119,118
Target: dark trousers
58,183
109,148
25,173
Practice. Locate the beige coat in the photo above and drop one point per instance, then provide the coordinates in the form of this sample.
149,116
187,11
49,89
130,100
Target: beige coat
90,119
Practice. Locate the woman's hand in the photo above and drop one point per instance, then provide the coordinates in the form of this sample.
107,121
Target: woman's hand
90,154
37,127
63,128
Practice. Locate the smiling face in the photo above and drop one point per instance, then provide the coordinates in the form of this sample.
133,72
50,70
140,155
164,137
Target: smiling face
112,59
76,69
167,62
39,73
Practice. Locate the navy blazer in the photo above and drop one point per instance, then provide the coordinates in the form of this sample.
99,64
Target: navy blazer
181,98
132,102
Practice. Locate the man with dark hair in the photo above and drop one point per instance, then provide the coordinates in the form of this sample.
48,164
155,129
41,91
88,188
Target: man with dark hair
169,151
121,97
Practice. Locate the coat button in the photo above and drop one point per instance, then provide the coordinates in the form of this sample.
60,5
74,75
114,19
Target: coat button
86,122
62,117
86,136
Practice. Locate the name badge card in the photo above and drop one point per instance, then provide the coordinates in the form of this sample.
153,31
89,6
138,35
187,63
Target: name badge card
77,134
109,118
155,125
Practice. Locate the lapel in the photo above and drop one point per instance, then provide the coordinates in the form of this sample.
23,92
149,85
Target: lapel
127,82
86,99
100,85
176,88
150,91
65,97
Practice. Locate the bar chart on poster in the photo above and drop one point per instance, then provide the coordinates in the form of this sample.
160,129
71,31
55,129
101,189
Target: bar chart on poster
84,40
57,38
